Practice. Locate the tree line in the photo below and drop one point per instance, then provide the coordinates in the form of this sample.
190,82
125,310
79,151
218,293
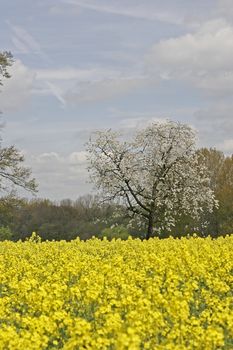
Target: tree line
90,216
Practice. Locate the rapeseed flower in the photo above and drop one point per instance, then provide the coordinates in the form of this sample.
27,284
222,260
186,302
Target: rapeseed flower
125,295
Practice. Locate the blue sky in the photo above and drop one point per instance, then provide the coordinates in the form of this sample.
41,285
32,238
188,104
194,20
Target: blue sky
83,65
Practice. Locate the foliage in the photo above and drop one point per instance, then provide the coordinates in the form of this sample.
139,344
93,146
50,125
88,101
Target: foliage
68,219
6,61
5,233
220,169
157,175
124,295
115,232
8,206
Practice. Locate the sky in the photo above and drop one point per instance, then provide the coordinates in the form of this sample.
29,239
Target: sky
87,65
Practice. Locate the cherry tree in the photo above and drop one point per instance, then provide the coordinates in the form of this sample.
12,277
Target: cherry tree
157,175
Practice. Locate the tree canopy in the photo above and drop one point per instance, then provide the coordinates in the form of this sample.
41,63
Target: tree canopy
157,175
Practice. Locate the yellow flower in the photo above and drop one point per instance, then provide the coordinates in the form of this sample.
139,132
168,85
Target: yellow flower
124,295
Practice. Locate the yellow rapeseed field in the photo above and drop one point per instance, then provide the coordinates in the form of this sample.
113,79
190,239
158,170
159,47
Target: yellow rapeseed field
156,294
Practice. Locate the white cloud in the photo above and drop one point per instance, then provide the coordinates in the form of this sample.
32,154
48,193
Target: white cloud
224,9
67,85
60,175
215,124
77,158
50,157
226,146
66,161
73,85
105,89
203,58
16,91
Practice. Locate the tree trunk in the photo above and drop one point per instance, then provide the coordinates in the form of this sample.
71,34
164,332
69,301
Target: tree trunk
150,226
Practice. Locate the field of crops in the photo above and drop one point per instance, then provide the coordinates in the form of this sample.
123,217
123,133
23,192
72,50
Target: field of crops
156,294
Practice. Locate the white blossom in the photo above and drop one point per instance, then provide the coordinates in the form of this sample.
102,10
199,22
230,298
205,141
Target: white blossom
157,174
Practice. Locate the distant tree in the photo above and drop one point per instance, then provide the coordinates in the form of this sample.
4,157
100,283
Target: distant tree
8,206
157,175
224,194
220,169
68,219
213,160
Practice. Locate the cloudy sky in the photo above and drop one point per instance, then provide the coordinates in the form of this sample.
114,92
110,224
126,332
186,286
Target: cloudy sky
83,65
